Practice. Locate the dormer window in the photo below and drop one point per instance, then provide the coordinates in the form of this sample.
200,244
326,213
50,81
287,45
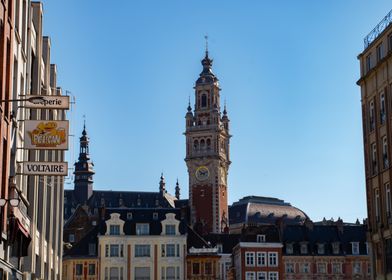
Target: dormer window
219,247
142,229
335,248
170,230
320,249
114,229
289,249
204,100
355,248
260,238
304,248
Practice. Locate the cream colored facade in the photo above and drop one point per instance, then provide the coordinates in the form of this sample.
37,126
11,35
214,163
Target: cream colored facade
376,99
124,256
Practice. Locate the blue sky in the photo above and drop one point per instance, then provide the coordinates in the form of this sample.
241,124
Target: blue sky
288,70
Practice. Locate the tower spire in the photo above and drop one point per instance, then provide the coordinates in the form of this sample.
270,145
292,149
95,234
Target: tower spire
177,190
162,188
206,38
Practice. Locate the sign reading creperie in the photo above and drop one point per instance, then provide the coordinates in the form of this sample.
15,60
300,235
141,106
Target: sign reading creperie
45,168
47,102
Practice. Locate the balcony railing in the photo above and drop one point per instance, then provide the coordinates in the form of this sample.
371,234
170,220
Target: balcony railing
384,23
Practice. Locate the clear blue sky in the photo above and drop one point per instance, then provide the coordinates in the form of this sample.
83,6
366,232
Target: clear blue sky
288,70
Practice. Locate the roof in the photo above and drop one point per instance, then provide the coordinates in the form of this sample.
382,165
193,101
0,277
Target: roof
264,210
119,199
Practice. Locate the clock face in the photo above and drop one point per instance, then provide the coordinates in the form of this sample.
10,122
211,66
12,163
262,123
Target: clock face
202,173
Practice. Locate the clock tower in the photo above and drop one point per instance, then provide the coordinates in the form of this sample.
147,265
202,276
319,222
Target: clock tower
207,154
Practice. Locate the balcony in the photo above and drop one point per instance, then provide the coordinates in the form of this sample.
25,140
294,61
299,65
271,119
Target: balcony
383,24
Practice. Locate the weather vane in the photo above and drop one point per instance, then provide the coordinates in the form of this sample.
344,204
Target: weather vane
206,37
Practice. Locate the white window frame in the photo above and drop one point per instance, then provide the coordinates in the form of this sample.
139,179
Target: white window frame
142,229
355,248
261,238
377,204
273,256
305,268
322,265
338,266
249,258
304,248
250,275
290,267
359,267
261,275
261,259
273,275
388,199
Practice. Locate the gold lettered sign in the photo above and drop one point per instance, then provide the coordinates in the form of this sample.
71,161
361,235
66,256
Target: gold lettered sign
46,135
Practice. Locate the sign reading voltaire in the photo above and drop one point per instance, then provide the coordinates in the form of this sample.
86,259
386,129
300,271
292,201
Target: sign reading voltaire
46,135
47,102
45,168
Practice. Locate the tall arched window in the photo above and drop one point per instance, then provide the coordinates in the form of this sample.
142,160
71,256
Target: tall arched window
195,145
208,144
202,144
204,100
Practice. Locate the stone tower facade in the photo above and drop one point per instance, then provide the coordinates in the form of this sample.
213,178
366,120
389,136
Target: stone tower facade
207,154
83,171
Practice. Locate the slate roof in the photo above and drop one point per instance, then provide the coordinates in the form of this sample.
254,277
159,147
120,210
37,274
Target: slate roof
119,199
81,249
327,235
264,210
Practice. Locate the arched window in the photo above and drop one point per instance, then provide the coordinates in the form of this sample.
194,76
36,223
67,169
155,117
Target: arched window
195,145
202,144
204,100
208,144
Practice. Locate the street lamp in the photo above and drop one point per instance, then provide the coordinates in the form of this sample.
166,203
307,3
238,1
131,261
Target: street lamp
34,99
14,202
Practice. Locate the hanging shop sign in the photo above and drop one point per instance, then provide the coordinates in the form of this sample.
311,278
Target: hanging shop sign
47,102
46,135
45,168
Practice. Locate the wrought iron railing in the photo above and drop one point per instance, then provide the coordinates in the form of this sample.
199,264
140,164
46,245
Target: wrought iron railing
384,23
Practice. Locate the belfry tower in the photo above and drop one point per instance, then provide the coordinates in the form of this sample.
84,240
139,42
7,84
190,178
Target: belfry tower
207,154
83,183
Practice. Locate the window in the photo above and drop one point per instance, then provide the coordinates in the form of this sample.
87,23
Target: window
390,42
304,248
204,100
272,259
377,204
250,275
249,258
129,216
371,116
379,52
71,238
273,275
388,202
335,248
170,273
196,268
114,250
289,249
321,268
305,268
91,269
91,249
355,248
261,259
142,250
79,269
261,275
356,267
142,273
260,238
142,229
382,108
374,159
219,247
290,268
114,230
168,250
385,152
208,268
336,268
170,229
320,249
368,62
114,273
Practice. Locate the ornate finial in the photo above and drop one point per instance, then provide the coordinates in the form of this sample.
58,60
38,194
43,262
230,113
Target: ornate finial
162,184
189,104
224,109
84,125
206,38
177,190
